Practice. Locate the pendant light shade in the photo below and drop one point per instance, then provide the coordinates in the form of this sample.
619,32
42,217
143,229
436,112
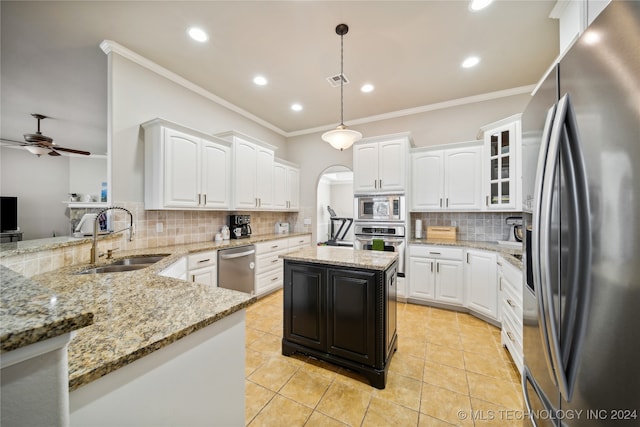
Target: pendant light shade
341,138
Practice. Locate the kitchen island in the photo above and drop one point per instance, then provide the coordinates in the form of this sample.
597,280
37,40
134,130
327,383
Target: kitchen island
340,306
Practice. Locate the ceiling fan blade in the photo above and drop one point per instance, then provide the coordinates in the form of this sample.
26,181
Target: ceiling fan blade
13,141
70,150
54,153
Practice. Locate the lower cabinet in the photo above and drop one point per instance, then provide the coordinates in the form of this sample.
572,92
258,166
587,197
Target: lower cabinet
202,268
510,279
269,270
342,315
436,274
481,282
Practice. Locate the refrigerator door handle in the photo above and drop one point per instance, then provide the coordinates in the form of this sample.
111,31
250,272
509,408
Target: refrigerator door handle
539,245
527,378
565,354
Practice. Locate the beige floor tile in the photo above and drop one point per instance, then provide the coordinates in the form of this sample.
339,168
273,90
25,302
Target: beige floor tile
252,334
445,356
486,345
354,380
429,421
344,403
320,367
442,314
490,366
306,388
269,344
488,414
273,374
256,397
444,376
500,392
281,411
407,365
318,419
401,390
446,405
385,413
253,360
412,347
468,319
268,324
445,339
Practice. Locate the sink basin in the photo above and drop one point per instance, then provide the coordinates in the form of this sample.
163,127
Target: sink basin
140,259
114,268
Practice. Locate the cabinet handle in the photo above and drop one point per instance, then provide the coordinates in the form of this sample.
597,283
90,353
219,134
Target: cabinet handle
381,184
510,335
274,279
486,201
199,199
205,199
432,266
441,202
467,257
437,267
500,283
275,247
434,253
511,303
273,261
499,264
193,278
204,260
447,205
375,183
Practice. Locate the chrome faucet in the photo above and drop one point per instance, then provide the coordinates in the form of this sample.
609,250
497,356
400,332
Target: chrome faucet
94,246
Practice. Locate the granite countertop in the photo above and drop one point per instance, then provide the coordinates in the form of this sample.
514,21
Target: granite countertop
30,312
343,256
511,255
134,313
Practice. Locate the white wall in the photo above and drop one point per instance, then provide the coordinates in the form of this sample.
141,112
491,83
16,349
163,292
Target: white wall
138,95
41,184
86,175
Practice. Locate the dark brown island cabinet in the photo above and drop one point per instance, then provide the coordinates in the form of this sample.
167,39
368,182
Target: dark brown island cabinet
342,314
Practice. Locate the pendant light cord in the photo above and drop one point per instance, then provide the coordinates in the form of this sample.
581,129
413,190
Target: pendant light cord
342,80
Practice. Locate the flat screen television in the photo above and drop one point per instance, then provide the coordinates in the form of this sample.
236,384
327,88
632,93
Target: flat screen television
8,213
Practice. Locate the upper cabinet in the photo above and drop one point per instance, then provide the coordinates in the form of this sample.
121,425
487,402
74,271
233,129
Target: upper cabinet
574,17
501,169
253,162
380,164
286,185
185,169
447,179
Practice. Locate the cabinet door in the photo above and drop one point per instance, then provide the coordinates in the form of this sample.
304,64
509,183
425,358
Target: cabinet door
449,281
427,184
365,167
182,169
500,163
392,165
206,276
305,305
215,177
245,174
293,188
463,178
421,277
279,186
264,178
482,283
351,315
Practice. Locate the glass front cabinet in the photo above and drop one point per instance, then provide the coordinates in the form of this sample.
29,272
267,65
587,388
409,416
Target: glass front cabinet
502,183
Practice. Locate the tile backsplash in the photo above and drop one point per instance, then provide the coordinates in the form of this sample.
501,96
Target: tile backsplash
471,226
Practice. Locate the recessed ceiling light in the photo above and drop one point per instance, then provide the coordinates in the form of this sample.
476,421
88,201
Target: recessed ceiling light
198,34
366,88
479,4
260,80
296,107
471,61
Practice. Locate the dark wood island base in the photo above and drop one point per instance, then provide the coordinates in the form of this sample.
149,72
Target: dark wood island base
342,312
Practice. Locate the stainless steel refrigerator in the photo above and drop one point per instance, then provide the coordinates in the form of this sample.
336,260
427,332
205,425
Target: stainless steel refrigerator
581,196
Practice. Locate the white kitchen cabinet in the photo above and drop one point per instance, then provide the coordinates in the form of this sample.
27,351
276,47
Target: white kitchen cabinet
510,285
269,265
380,164
253,168
447,179
502,173
436,274
202,267
286,186
185,169
481,283
574,17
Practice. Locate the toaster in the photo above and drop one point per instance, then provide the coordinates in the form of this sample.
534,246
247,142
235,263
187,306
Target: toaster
282,227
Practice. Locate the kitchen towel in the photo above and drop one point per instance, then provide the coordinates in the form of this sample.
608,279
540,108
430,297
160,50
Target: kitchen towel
377,244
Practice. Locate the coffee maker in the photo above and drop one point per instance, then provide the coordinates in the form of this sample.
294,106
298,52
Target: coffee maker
240,226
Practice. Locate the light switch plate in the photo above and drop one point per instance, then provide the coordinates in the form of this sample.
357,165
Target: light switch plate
307,221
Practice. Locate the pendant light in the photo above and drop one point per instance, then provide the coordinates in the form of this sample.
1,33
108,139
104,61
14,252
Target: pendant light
341,138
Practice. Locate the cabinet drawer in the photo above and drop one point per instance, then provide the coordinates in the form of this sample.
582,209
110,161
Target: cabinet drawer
271,246
437,252
512,340
269,261
269,281
510,272
511,300
299,242
202,259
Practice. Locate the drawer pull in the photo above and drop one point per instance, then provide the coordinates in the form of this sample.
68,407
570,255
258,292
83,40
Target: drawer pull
511,303
510,335
273,261
499,264
434,253
274,279
275,246
204,260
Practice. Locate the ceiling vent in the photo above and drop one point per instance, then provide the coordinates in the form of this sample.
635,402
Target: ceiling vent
334,81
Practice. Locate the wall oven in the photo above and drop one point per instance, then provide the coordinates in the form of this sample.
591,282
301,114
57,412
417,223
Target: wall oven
392,235
380,208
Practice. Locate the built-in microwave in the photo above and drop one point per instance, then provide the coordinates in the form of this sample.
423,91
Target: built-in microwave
380,208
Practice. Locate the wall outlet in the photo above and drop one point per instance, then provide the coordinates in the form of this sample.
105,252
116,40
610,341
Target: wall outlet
307,221
159,227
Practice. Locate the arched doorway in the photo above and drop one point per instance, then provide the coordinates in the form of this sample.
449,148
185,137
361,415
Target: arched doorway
335,189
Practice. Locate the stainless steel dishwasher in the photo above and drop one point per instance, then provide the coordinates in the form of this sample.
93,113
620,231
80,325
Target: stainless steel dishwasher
236,267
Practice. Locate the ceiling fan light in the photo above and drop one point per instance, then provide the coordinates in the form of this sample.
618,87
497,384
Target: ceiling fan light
341,138
38,151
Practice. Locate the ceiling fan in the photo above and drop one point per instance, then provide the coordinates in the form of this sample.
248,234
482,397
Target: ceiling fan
40,144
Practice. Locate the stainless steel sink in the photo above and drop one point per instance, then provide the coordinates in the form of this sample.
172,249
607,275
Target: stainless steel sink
126,264
140,259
